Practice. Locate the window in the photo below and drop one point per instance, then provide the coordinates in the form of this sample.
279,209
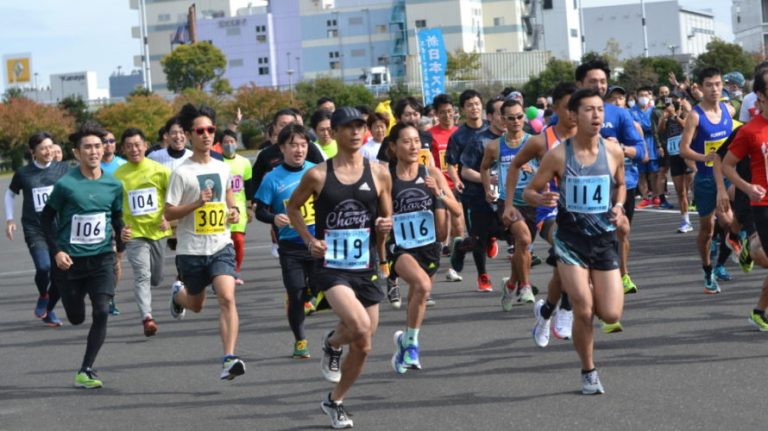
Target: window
263,60
263,71
382,60
574,32
261,29
333,33
498,21
164,17
233,31
261,38
357,53
421,23
334,65
381,28
333,54
575,4
236,62
765,10
547,4
331,23
356,20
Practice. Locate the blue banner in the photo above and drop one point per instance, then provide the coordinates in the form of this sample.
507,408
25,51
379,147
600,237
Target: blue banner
434,61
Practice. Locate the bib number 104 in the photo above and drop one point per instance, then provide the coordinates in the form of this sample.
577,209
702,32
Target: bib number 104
347,248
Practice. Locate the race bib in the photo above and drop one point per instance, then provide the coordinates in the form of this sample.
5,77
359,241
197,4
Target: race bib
211,218
348,249
307,210
443,166
673,145
40,197
424,156
588,194
88,229
710,146
237,183
142,201
412,230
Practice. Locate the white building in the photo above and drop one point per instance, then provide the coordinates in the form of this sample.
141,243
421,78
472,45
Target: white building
502,26
561,29
76,84
671,29
750,24
460,20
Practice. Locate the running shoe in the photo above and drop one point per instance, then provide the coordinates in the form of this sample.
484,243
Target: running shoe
309,307
525,295
759,321
177,311
508,297
393,293
446,251
457,255
150,327
745,260
666,205
710,285
656,202
541,329
397,358
330,364
590,384
629,285
692,207
721,273
404,358
301,350
493,249
430,301
484,283
535,260
562,326
113,310
612,328
644,203
275,251
340,418
87,379
735,246
452,275
232,367
41,308
52,320
685,227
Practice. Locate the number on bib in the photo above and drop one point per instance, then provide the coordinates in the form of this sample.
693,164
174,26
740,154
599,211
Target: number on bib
710,146
211,219
142,201
348,248
412,230
40,197
673,145
424,156
237,183
589,194
88,229
443,166
307,210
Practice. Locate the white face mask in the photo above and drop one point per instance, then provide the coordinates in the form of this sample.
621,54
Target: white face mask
737,94
643,101
631,103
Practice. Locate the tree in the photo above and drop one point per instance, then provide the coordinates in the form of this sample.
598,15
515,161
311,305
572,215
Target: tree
727,57
141,91
258,105
193,66
462,66
200,97
13,93
648,71
148,113
221,87
77,108
557,71
307,93
21,117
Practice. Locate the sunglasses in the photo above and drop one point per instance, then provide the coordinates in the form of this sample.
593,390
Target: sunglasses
109,141
515,117
200,130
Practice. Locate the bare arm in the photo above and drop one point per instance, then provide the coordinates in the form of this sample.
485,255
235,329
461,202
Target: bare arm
549,168
754,191
311,184
384,221
689,133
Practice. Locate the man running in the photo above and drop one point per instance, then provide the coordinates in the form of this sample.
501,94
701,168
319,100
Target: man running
241,171
353,210
86,205
200,197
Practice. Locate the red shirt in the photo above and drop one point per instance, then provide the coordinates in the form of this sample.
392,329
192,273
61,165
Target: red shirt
752,142
439,145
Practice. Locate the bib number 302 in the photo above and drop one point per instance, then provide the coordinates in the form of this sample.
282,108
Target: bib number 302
588,194
211,218
348,248
88,229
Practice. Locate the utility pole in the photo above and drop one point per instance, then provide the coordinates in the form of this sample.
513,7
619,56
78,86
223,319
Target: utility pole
645,30
145,46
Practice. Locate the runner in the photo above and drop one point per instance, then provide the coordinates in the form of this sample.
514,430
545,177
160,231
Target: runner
176,152
353,210
200,197
295,261
87,206
145,183
240,169
592,177
419,201
706,128
671,125
35,181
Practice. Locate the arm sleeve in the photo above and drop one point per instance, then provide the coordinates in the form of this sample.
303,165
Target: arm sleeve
9,195
117,228
249,190
263,213
629,136
260,169
47,218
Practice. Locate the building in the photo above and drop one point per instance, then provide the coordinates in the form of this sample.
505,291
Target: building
750,24
672,30
77,84
503,26
121,85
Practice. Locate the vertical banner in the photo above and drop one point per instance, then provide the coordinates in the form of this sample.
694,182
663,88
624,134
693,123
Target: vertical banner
434,61
18,69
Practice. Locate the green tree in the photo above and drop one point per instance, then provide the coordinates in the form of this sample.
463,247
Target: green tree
200,97
221,87
258,105
727,57
557,71
21,117
77,108
307,93
462,66
141,91
193,66
147,113
648,71
13,93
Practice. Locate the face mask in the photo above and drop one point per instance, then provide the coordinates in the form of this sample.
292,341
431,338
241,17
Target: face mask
643,101
540,106
228,149
737,94
631,103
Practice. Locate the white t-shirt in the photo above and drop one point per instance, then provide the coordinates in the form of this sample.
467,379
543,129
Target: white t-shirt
161,156
204,231
747,104
370,150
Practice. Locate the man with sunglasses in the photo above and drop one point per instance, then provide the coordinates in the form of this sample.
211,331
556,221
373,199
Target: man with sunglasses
200,197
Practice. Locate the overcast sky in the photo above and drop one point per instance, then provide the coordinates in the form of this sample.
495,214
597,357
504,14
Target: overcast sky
80,35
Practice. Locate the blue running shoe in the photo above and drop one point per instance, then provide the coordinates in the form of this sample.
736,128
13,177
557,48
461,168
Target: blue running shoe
666,205
41,309
52,320
721,273
397,358
710,285
411,357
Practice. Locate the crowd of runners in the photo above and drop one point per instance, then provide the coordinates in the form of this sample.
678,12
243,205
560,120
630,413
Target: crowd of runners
362,204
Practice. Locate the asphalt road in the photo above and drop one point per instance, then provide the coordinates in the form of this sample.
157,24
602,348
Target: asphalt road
685,361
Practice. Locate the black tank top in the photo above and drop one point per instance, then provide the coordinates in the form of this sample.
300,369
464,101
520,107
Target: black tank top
354,206
413,196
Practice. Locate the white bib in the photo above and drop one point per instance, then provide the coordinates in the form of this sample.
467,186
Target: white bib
40,197
88,229
143,201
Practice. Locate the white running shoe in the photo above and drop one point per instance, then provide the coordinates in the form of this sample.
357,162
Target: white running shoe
526,295
508,298
452,275
275,251
590,384
232,368
540,330
563,324
177,311
330,364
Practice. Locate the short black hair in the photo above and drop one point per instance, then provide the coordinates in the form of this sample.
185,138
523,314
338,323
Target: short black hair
489,105
467,95
161,133
406,101
190,112
377,116
286,135
323,100
173,121
318,116
364,109
647,88
228,132
88,128
38,138
440,100
760,83
130,133
582,93
584,68
285,111
508,103
707,72
562,90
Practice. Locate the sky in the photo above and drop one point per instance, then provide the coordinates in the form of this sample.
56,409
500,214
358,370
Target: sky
95,35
